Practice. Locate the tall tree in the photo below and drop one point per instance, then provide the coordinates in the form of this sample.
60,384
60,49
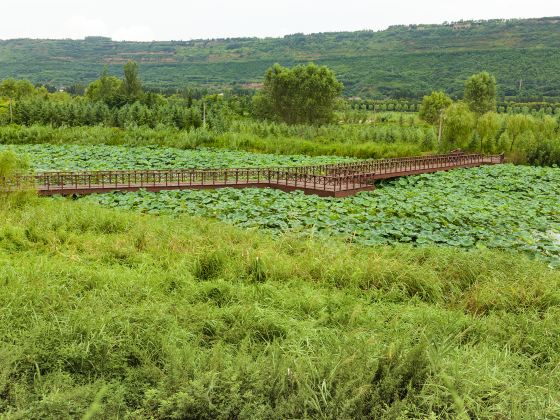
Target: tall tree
480,93
488,127
433,106
432,110
459,125
106,89
132,86
14,90
302,94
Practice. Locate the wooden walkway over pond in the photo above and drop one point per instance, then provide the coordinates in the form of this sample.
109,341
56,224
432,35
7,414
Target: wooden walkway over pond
337,180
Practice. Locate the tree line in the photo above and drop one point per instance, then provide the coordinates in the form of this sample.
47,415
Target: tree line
115,102
302,97
303,94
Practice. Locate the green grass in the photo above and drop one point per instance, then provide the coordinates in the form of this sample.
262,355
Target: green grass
108,313
524,139
348,140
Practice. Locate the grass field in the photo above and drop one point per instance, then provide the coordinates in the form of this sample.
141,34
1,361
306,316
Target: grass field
109,313
435,296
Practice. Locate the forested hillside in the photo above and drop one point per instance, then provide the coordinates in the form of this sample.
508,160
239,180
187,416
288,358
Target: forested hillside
400,62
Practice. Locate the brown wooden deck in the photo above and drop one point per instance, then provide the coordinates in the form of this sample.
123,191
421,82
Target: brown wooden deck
337,180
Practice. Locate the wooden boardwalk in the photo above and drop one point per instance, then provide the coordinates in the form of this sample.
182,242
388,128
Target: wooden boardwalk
338,180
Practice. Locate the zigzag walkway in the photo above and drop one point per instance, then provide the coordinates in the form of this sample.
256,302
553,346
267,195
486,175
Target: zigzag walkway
338,180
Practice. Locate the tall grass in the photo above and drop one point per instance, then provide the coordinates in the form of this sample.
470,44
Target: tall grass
254,139
12,165
112,314
524,139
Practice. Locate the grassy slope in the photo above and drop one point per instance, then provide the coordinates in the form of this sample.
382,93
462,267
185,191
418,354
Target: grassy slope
110,312
399,61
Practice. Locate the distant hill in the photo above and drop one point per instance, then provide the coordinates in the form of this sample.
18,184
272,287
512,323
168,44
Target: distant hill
402,61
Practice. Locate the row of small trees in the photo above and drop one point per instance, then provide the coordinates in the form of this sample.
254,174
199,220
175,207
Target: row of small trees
113,102
86,113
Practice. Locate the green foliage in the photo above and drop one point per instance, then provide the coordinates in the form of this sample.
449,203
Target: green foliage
16,89
488,126
395,63
68,157
459,123
107,89
504,206
131,85
480,93
516,126
13,195
300,95
115,92
79,112
103,317
175,120
11,164
382,136
433,106
355,141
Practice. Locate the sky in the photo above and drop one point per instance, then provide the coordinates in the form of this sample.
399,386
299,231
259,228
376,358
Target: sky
137,20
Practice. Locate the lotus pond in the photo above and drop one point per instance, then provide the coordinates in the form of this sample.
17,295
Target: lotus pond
506,207
68,157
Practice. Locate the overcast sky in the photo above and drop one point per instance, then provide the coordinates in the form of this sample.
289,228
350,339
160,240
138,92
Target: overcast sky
142,20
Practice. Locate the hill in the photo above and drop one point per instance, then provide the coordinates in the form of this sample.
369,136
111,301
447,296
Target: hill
400,62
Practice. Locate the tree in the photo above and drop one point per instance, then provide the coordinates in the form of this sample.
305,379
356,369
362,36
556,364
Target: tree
15,90
76,89
480,93
459,125
516,125
433,108
488,127
302,94
132,86
106,89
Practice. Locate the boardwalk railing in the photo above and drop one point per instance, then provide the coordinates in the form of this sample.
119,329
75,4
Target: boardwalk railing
70,182
413,164
336,179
